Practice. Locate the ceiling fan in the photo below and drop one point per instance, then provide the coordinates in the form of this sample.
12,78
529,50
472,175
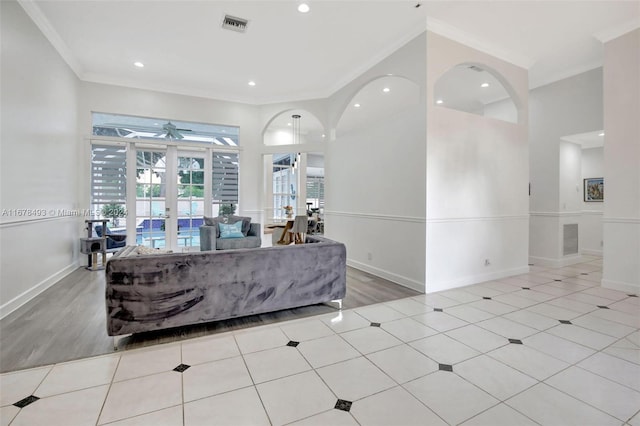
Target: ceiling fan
172,132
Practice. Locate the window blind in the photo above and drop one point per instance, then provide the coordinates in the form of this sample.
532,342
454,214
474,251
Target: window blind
108,174
225,178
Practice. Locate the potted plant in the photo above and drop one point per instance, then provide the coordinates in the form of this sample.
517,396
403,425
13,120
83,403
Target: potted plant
114,212
227,209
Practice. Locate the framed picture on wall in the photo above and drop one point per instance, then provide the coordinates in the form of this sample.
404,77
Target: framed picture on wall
594,189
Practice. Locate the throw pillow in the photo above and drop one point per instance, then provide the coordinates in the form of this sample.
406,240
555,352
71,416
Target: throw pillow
231,230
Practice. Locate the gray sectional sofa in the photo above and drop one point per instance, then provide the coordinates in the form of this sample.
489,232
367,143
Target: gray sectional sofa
158,291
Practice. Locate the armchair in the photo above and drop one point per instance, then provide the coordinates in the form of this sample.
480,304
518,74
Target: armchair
114,240
210,234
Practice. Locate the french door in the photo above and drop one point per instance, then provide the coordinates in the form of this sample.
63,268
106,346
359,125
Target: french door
170,194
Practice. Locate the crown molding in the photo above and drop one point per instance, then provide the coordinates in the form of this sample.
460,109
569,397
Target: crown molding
380,56
617,31
36,15
463,37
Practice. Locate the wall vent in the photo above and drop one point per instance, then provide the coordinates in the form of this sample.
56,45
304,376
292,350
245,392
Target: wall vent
234,23
570,239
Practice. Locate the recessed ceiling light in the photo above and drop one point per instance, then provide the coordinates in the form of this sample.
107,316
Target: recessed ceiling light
601,134
484,85
139,64
356,105
323,135
252,83
439,101
288,124
303,8
386,90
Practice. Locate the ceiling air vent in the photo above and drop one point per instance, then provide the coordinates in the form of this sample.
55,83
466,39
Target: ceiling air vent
234,24
475,68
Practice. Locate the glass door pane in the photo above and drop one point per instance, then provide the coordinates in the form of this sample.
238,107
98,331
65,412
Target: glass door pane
151,193
190,209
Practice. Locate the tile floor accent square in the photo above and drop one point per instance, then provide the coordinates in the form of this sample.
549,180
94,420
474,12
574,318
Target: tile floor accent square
437,310
375,324
565,321
515,341
526,288
26,401
445,367
603,307
486,298
181,368
343,405
292,343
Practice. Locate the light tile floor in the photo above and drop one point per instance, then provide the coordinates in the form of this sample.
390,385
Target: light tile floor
549,347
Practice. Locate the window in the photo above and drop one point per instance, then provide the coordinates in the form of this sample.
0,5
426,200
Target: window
315,192
109,180
132,127
284,184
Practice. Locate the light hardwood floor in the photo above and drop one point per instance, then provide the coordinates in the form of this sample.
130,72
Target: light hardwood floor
67,321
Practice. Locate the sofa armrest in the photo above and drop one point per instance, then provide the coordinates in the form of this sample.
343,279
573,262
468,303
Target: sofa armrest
254,230
207,238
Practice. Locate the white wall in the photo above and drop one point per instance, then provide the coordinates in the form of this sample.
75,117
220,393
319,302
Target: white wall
622,163
375,176
591,222
565,107
477,179
39,161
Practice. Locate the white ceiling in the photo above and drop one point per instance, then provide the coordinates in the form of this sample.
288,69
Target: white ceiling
293,56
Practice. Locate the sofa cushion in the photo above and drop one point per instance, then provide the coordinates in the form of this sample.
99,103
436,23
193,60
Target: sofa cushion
231,230
213,221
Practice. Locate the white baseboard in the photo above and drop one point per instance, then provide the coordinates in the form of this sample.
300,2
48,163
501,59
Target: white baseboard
26,296
556,263
475,279
396,278
591,252
628,288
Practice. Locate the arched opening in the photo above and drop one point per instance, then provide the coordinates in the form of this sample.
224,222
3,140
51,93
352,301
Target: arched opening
378,99
476,89
280,130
